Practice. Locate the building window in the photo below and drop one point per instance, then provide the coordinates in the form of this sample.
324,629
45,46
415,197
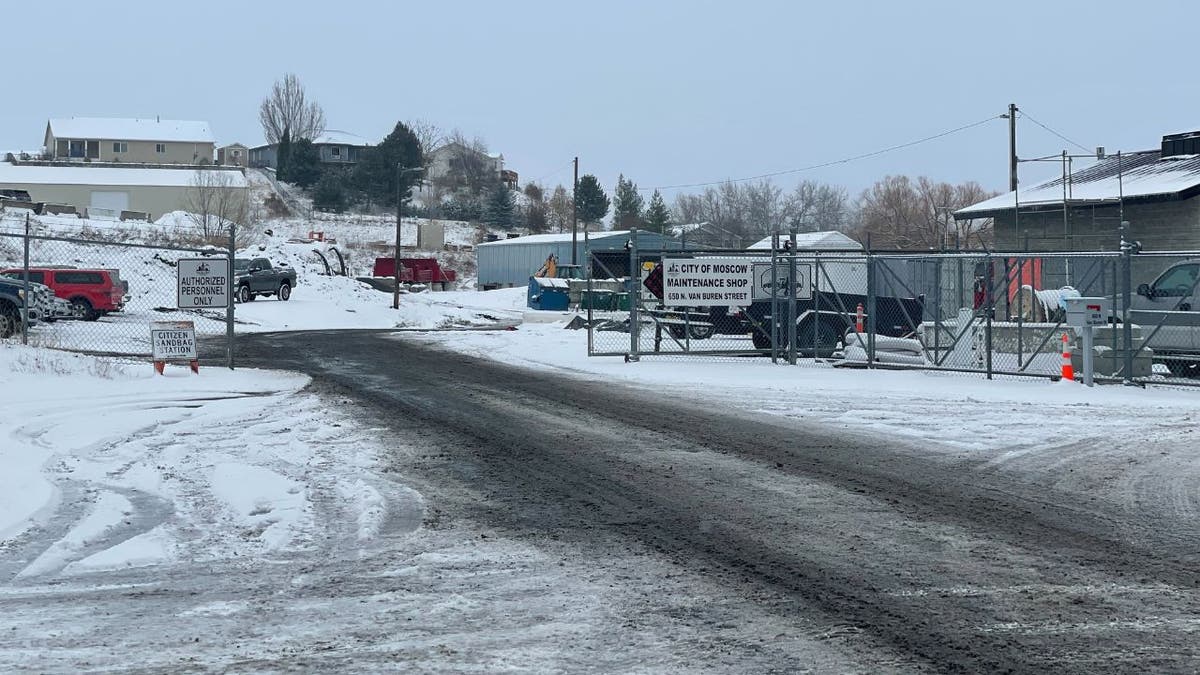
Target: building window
77,149
160,148
336,152
120,147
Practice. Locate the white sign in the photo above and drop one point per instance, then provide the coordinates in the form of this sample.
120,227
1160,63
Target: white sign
763,283
173,341
203,283
1083,312
707,282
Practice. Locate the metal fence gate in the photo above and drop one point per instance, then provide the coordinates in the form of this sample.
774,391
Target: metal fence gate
98,290
991,313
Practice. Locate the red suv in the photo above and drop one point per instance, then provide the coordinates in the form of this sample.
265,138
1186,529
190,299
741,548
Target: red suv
91,292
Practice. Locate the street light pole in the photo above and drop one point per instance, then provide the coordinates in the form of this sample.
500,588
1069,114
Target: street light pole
400,171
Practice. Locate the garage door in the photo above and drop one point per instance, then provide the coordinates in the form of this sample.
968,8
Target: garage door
108,204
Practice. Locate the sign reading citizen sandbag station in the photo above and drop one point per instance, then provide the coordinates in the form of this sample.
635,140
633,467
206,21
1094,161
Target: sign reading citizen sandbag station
173,341
203,283
707,282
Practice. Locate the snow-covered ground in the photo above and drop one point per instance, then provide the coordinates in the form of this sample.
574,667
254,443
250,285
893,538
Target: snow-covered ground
252,520
958,413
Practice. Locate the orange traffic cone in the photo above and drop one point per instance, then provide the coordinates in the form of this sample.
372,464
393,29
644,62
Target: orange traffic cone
1068,370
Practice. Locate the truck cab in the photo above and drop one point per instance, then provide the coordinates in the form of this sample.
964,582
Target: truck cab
1171,301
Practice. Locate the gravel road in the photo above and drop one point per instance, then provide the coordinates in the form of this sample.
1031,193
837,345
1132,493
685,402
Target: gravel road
744,543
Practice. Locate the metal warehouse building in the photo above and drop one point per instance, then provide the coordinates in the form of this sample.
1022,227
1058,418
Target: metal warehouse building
510,262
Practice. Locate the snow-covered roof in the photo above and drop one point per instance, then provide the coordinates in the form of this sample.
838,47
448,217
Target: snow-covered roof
128,129
336,137
40,174
830,240
557,238
1134,176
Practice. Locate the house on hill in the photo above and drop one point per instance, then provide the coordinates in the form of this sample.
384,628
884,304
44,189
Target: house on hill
456,158
333,146
139,141
1155,191
234,154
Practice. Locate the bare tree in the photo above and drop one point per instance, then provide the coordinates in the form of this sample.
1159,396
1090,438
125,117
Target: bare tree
214,201
471,168
561,209
818,207
898,212
288,107
429,135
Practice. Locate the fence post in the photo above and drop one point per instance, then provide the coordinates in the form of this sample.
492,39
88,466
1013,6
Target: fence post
28,296
591,302
635,332
1127,292
989,307
229,306
791,331
871,304
774,296
816,303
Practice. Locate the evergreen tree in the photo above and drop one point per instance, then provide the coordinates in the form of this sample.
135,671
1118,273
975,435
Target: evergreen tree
657,216
304,163
383,171
330,193
627,204
591,202
500,211
283,155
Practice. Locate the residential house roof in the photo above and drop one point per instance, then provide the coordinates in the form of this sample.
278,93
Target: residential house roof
336,137
1142,176
128,129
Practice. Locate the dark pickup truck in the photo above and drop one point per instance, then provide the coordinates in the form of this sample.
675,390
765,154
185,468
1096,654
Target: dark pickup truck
257,276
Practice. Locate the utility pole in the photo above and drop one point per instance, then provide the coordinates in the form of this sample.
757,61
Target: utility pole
575,214
399,219
1012,147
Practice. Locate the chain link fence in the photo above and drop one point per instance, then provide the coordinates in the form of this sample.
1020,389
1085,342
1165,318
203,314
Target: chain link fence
98,288
995,314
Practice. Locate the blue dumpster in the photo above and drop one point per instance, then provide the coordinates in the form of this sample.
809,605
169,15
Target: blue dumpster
549,294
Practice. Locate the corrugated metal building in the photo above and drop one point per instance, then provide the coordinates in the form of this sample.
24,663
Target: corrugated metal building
510,262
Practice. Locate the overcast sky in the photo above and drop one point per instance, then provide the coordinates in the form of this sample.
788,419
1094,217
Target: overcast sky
666,92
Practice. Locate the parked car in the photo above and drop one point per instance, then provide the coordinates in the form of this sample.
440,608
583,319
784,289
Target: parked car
257,276
13,300
92,293
1172,301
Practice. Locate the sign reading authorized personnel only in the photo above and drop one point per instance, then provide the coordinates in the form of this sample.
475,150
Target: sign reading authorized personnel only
707,282
203,283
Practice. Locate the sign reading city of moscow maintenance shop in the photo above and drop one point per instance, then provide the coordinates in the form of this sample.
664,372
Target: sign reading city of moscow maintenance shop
707,282
203,283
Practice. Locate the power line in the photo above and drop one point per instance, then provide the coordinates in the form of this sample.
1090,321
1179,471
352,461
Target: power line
835,162
554,172
1031,119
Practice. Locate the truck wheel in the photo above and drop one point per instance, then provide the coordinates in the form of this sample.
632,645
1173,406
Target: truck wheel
760,338
827,338
10,320
285,291
244,294
1181,368
82,310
